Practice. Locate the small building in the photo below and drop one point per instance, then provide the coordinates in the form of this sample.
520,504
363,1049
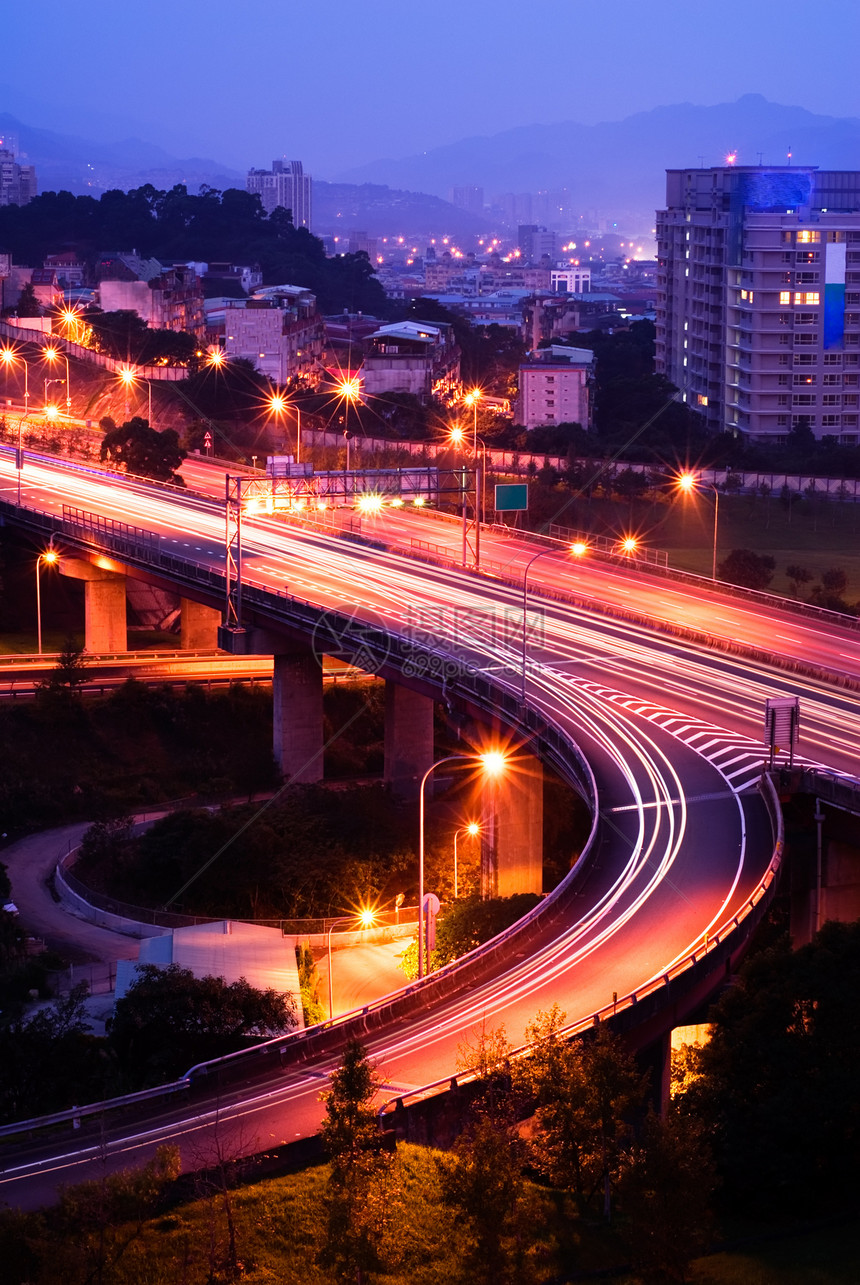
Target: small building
68,267
46,287
416,357
279,330
554,387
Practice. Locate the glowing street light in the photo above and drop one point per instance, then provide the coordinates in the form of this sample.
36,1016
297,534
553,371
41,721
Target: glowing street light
50,557
493,764
215,358
629,545
691,484
9,357
365,918
472,829
52,354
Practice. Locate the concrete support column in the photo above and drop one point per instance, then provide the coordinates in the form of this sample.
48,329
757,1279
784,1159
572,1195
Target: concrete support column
297,695
408,738
512,831
198,626
104,602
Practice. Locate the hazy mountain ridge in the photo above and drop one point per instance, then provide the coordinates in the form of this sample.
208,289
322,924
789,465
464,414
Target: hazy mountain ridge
622,162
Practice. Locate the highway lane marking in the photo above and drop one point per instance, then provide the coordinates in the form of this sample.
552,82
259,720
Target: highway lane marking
720,795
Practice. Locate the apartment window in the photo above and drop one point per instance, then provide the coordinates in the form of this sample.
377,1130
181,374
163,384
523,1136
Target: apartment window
851,359
805,318
804,379
804,359
831,399
831,421
550,379
806,297
782,360
806,337
852,318
784,297
797,420
782,379
850,381
833,359
785,339
807,256
803,399
806,278
831,379
807,237
784,318
550,401
782,399
852,300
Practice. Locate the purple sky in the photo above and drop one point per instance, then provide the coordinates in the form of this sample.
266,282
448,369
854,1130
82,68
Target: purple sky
339,83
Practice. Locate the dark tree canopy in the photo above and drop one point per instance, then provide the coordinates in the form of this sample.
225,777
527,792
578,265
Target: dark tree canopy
747,568
142,450
229,226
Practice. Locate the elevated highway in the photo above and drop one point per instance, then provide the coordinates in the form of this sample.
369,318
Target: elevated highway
659,734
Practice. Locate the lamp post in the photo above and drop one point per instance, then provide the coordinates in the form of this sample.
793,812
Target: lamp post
493,764
690,483
577,550
365,919
51,355
471,829
50,556
9,357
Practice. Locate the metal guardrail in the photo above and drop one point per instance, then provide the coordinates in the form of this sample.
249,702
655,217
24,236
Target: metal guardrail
394,653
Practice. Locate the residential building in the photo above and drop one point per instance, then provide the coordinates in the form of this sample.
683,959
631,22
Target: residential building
46,287
285,185
412,357
535,243
758,298
570,280
468,197
554,387
68,267
166,298
279,330
17,182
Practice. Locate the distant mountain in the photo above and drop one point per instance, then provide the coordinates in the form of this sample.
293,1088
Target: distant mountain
385,211
82,166
620,164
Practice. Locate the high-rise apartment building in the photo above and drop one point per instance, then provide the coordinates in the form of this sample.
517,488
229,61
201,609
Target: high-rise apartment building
758,303
287,185
17,182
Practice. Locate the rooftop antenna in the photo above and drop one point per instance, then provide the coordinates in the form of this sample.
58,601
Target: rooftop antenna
701,162
760,155
789,153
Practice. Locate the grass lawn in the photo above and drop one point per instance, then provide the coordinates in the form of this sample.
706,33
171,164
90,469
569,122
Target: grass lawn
812,533
827,1256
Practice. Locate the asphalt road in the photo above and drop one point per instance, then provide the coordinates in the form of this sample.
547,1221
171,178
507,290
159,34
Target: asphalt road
670,729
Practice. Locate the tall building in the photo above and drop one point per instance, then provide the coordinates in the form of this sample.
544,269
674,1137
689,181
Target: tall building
17,182
469,198
758,298
287,185
554,387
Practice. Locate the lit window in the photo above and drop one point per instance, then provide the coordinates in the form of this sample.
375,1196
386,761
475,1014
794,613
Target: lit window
785,296
807,297
702,399
807,237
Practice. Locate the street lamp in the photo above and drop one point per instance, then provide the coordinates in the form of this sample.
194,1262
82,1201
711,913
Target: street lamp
457,437
691,484
365,919
50,556
51,355
471,829
577,549
9,357
493,763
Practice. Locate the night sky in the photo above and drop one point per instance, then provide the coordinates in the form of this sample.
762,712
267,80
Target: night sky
340,83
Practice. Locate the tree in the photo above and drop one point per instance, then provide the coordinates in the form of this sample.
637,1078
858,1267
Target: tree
138,448
28,305
666,1191
744,567
169,1019
584,1091
797,576
778,1091
360,1198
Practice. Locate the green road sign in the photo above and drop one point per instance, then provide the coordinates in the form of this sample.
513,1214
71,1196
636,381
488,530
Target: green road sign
512,497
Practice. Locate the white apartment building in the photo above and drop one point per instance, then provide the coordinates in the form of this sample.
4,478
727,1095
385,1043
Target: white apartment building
554,387
279,331
758,298
287,185
572,280
17,182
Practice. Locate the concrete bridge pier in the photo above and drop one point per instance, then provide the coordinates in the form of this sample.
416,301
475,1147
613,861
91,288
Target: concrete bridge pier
408,738
297,697
512,830
198,626
104,602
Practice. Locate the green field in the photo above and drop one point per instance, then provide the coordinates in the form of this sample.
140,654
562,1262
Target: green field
814,534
